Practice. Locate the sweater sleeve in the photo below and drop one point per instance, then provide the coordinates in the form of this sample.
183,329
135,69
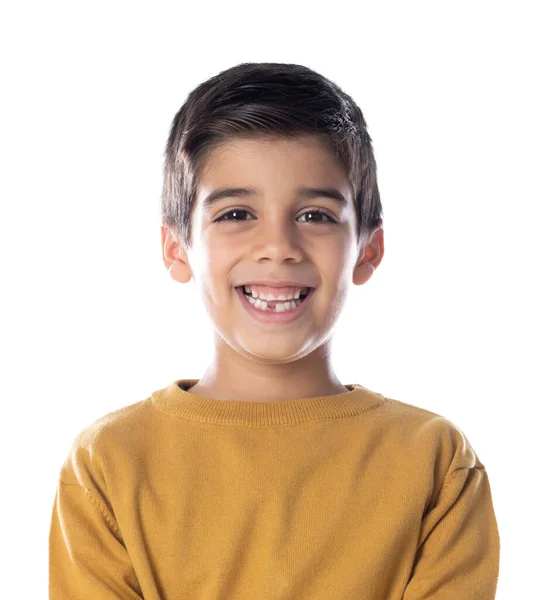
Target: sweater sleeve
87,557
458,551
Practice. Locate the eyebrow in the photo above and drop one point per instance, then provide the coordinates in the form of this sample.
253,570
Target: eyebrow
243,192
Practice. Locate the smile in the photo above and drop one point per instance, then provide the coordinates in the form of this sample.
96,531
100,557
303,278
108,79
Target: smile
274,311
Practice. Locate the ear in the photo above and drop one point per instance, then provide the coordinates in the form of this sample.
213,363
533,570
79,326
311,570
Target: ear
369,257
175,256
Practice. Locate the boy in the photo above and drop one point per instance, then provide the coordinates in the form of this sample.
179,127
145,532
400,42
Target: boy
268,478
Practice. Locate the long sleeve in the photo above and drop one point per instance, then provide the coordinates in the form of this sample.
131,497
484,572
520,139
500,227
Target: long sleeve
352,495
458,551
87,557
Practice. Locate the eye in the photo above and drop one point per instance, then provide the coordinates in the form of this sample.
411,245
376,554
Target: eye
319,212
235,211
238,211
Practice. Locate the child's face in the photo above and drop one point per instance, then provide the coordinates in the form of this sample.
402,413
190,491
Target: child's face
273,236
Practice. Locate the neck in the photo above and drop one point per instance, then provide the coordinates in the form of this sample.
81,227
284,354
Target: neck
232,375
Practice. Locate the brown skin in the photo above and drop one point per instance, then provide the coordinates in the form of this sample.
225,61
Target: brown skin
276,238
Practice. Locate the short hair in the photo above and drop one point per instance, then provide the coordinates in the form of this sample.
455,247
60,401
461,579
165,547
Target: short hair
268,101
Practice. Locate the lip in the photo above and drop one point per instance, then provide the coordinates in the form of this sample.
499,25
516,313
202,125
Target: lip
274,317
276,283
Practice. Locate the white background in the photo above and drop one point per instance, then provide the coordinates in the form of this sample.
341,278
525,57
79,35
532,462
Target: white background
450,322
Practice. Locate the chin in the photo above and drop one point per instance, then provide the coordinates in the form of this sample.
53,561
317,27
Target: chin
281,353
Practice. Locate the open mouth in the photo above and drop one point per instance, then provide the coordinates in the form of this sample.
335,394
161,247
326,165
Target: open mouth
278,306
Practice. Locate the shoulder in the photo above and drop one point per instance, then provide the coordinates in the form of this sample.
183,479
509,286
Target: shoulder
432,433
103,441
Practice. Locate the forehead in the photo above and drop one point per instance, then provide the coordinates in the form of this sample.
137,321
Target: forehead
259,161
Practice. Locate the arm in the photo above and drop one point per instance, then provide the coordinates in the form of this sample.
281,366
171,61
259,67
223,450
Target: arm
458,550
87,557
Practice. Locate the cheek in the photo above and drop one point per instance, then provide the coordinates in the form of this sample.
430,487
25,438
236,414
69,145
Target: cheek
217,268
332,261
220,249
344,255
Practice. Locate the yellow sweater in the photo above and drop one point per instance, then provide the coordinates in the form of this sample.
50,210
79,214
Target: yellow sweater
347,497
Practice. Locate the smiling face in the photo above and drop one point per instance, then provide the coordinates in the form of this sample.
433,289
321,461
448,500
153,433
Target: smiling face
273,229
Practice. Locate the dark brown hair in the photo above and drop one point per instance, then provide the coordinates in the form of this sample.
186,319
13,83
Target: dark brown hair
266,100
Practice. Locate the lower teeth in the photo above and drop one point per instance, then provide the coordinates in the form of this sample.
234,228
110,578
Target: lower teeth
269,308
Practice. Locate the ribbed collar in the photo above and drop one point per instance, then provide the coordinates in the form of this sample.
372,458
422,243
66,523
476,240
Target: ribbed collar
176,400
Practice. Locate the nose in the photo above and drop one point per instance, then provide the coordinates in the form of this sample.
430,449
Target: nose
277,240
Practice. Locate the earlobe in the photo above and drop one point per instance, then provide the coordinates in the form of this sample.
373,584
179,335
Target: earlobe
174,256
369,258
363,272
180,271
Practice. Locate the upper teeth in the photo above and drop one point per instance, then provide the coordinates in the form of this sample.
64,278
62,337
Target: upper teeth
289,295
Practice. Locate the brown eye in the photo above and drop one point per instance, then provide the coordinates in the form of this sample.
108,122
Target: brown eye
232,215
235,211
319,212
